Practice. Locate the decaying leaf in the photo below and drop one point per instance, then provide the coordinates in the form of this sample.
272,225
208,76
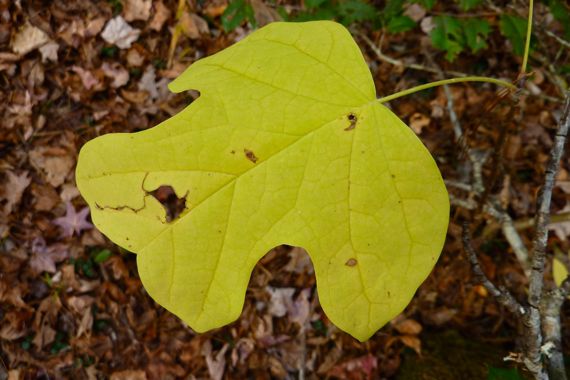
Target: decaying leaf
28,38
336,172
161,15
119,33
13,189
54,163
137,9
73,222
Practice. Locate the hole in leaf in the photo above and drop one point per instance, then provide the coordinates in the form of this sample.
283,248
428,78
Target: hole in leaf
173,205
352,119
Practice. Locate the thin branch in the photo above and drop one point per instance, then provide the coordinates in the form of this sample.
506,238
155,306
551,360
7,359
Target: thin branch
503,296
528,35
512,236
560,40
543,212
396,62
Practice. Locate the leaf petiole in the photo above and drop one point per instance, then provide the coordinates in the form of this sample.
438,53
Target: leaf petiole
444,82
528,35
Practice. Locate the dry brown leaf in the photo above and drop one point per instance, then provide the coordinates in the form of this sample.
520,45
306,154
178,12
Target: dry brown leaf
28,38
68,192
45,197
13,327
13,189
134,57
87,78
49,51
215,8
408,327
193,26
280,299
136,9
412,342
161,15
418,121
55,164
117,73
94,26
216,364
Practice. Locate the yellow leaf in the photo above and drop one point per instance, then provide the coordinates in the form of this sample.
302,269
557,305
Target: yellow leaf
559,271
286,144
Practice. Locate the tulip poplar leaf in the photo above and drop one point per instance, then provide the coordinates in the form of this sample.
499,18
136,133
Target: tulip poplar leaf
286,144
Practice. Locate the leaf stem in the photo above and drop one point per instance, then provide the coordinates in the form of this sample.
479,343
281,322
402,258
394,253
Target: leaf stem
444,82
528,35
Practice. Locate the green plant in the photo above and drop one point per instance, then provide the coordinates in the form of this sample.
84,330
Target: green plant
452,34
287,144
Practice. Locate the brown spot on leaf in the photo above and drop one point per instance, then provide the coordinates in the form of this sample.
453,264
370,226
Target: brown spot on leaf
351,262
250,155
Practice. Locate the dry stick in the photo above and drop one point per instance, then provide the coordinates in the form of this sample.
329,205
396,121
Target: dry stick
503,296
414,66
551,304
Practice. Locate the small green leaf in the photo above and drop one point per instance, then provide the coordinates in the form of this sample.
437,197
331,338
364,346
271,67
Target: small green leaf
102,256
400,24
476,31
237,12
466,5
351,11
514,28
392,9
448,36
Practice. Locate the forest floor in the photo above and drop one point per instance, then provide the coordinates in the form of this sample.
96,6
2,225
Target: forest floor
71,302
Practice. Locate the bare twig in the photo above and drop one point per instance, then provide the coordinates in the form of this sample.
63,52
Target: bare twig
414,66
503,296
560,40
543,209
512,236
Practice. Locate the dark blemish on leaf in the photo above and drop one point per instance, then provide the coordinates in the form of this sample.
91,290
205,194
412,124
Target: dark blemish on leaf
388,294
250,155
393,176
173,205
351,262
353,119
233,152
